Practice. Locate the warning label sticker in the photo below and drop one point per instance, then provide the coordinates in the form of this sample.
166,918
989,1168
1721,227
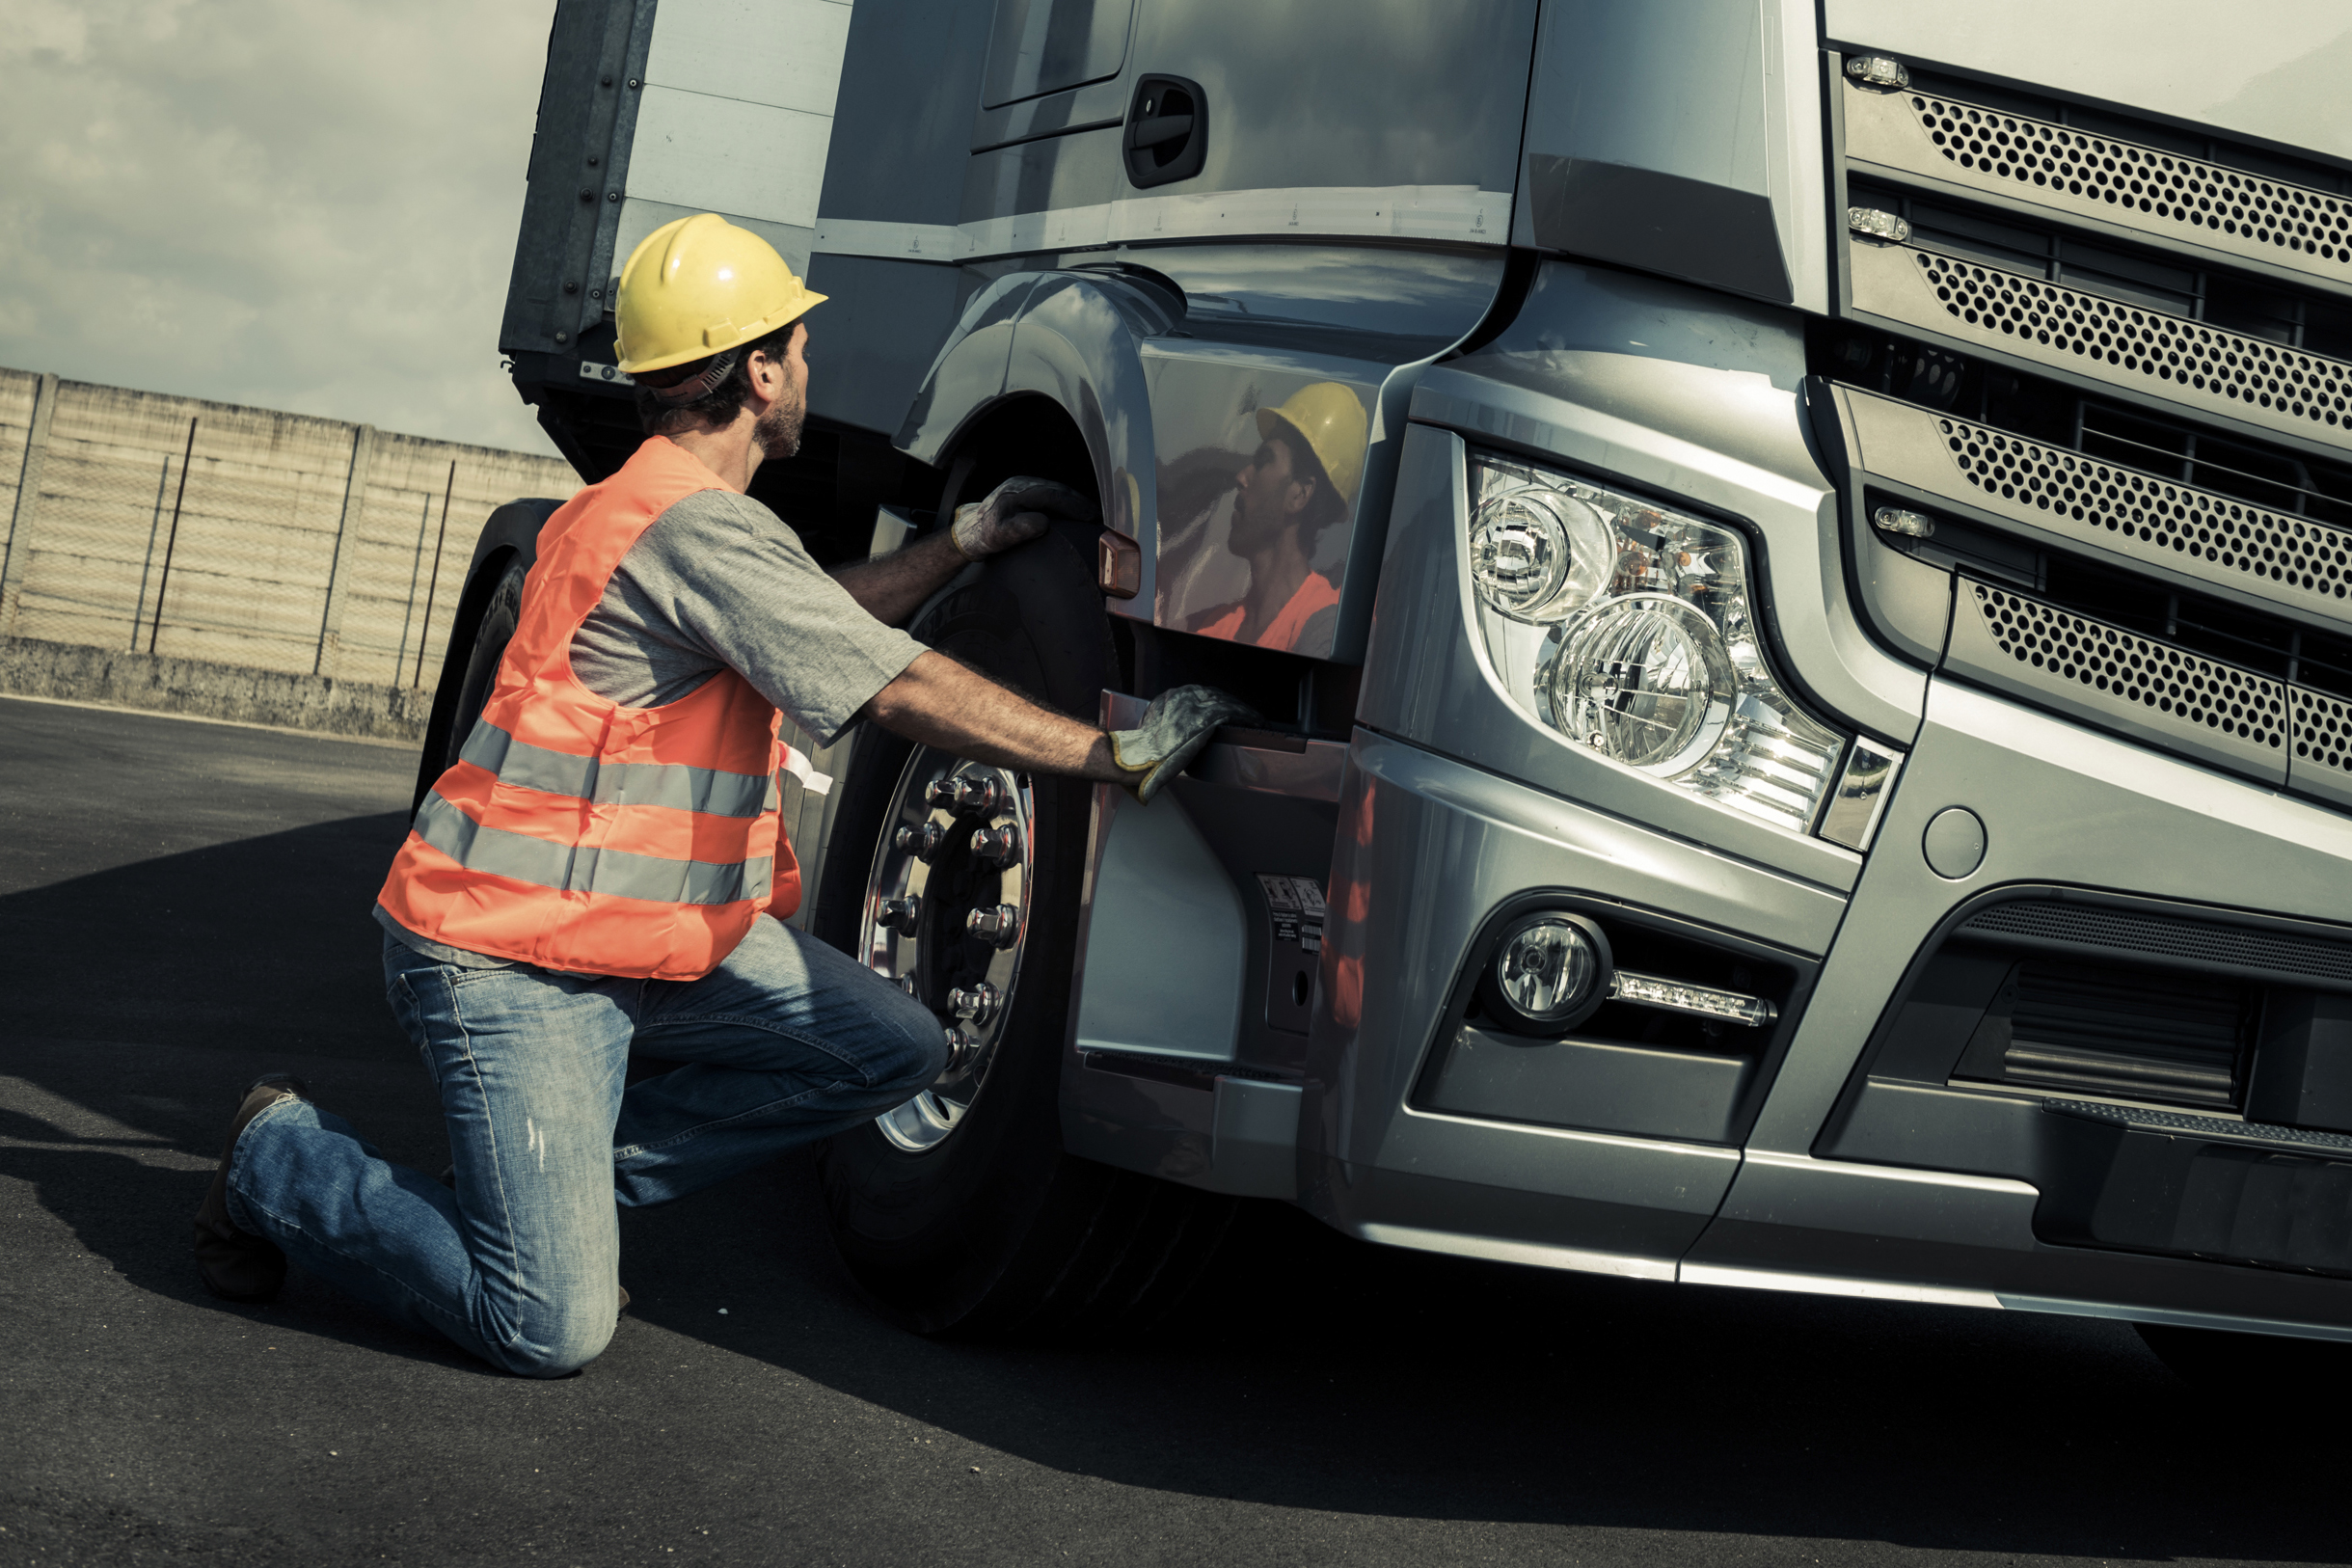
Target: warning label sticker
1296,904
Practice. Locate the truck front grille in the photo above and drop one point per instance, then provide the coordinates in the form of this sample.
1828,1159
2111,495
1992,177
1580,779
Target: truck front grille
2187,364
2281,734
2140,518
2120,680
2167,196
2121,357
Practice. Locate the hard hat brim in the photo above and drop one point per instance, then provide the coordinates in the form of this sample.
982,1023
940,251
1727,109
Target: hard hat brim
808,301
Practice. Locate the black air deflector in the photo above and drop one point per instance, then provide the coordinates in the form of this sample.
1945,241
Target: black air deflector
2064,1026
1658,222
2170,1079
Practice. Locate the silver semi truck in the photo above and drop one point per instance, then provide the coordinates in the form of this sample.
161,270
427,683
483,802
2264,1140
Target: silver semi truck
1805,628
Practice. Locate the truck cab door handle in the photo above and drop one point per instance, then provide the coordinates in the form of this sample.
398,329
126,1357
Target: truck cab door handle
1167,135
1159,129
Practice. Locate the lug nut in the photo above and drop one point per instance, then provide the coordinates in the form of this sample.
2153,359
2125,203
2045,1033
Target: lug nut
976,1005
962,1047
964,795
977,795
922,842
998,845
899,914
998,924
906,983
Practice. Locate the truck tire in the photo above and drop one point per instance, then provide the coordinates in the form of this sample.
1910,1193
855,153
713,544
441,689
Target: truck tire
491,634
993,1230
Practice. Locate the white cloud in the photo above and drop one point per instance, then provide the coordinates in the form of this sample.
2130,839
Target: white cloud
304,204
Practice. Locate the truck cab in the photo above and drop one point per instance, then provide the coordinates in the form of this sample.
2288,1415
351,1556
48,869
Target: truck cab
1797,564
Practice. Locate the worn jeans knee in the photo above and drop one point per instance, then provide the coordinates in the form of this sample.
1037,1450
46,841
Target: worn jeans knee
573,1338
919,1061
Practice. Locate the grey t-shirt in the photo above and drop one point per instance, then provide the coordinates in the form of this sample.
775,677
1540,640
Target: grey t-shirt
719,582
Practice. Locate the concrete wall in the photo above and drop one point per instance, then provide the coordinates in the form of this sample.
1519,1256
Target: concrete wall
80,673
197,533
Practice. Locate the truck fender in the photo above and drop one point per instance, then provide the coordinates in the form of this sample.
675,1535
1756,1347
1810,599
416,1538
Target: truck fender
1073,338
968,372
1079,342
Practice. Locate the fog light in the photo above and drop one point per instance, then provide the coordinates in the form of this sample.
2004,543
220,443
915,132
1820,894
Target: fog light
1549,973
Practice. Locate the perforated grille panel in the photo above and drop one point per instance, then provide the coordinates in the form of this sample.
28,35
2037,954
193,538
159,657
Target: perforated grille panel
2181,199
2171,697
2322,760
2286,559
2166,356
2195,691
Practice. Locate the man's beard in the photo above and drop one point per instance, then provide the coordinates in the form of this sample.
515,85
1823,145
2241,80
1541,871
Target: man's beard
778,430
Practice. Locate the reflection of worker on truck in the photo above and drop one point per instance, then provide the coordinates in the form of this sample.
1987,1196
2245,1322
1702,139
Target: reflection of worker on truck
1300,481
589,879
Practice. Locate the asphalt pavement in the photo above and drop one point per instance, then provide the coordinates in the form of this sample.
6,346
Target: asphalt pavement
183,905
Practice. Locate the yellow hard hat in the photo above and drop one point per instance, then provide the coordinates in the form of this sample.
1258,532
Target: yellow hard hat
697,286
1330,420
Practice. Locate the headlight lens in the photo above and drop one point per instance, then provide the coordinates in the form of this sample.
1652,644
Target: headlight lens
1538,553
1627,627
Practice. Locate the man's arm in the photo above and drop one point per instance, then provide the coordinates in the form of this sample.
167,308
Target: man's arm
892,587
939,703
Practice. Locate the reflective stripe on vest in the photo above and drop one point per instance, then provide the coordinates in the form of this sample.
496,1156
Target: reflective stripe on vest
576,833
674,785
577,868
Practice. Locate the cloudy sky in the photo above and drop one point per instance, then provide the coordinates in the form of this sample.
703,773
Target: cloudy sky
302,204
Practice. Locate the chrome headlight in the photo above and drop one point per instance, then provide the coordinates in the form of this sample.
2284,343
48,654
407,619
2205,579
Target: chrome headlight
1627,627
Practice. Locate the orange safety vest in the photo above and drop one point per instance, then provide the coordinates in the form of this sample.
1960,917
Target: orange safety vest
576,833
1315,595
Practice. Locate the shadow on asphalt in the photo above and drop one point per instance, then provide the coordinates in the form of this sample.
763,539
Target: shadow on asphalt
1309,1371
245,957
1312,1371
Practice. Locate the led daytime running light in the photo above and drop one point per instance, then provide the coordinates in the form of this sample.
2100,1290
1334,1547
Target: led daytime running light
1705,1001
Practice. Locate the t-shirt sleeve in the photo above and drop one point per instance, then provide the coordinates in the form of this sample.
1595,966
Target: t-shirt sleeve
733,580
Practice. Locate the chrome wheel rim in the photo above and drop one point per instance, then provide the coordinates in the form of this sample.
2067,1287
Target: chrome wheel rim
945,919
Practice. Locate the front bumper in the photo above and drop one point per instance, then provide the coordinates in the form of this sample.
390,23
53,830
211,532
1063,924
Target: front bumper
1428,847
1454,804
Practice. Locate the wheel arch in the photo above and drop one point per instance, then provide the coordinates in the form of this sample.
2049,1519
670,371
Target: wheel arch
1072,340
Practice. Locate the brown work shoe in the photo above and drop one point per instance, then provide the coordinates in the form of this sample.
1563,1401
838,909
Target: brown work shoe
236,1264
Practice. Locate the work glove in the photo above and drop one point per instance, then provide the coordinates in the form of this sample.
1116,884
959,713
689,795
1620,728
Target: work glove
1175,728
1014,513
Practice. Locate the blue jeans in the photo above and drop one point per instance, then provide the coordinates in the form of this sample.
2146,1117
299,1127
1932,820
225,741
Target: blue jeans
786,1042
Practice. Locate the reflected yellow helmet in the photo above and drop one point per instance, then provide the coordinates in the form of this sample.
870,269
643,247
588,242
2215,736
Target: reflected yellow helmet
697,286
1331,421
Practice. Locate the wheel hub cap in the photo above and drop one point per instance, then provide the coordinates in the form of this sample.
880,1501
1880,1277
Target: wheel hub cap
946,916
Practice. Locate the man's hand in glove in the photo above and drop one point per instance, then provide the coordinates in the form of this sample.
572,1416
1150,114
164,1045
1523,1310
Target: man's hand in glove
1175,728
1014,513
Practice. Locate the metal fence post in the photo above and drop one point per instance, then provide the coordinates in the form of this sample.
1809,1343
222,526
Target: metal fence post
425,633
416,568
163,584
26,508
355,507
154,526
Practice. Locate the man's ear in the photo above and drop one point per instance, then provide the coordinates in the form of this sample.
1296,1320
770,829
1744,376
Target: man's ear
765,369
1304,497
